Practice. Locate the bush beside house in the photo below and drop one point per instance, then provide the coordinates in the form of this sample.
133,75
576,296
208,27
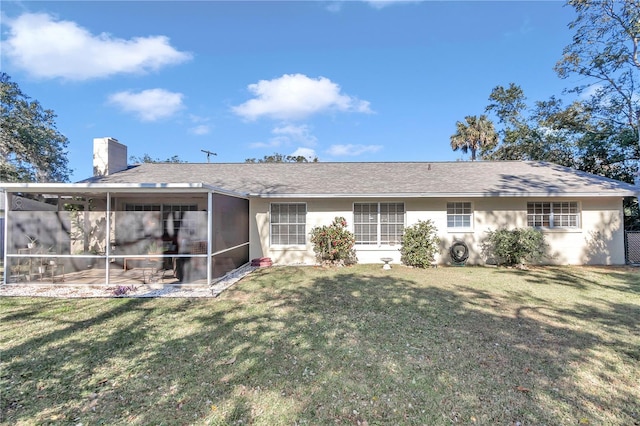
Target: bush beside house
420,244
333,244
512,247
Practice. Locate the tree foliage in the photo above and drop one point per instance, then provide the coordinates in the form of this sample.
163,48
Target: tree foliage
146,158
31,148
571,135
605,50
281,158
475,134
598,133
539,133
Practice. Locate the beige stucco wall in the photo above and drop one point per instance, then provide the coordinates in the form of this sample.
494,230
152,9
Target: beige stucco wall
600,240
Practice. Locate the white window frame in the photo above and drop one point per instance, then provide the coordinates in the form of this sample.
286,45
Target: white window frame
460,212
295,224
378,221
558,214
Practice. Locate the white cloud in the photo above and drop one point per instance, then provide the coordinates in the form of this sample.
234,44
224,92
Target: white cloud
273,143
335,6
298,134
296,96
591,91
307,153
352,150
50,48
201,129
200,125
286,135
379,4
148,105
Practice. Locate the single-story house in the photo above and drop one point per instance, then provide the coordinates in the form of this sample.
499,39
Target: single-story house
199,221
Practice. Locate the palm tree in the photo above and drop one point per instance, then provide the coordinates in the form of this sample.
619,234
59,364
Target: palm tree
477,133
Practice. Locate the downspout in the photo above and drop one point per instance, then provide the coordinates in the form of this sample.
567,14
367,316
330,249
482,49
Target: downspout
209,235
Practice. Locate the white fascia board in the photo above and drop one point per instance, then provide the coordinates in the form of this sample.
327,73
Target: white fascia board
454,195
112,187
116,188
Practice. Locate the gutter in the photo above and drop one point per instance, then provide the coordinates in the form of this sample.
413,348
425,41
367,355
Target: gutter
72,188
453,195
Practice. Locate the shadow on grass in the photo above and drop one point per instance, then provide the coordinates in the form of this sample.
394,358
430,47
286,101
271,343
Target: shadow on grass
625,278
301,345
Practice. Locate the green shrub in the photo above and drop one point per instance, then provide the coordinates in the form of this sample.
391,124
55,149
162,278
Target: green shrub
516,246
419,244
334,243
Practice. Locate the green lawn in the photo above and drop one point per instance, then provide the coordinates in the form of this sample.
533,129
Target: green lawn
356,345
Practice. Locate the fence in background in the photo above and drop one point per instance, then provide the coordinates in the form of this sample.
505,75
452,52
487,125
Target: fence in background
632,247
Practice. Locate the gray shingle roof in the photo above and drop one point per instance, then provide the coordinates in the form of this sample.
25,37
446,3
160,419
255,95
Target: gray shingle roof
481,178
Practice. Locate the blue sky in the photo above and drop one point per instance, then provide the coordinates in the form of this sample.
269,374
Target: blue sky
340,80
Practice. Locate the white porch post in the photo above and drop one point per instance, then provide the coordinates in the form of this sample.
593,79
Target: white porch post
636,180
6,237
108,237
209,235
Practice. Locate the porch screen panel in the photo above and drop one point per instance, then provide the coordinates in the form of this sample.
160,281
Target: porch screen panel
230,222
151,228
138,229
52,235
38,224
229,260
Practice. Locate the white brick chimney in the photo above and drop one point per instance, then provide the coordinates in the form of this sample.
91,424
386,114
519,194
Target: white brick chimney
109,156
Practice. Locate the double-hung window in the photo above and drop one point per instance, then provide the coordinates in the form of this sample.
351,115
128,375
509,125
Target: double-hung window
459,215
378,223
565,214
288,223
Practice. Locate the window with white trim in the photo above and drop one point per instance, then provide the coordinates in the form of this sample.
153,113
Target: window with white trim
288,223
542,214
378,223
459,214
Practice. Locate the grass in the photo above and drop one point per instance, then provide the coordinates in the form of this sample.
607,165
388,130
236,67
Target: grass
357,345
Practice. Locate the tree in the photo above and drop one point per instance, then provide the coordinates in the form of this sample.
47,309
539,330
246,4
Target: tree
509,106
477,133
573,135
547,132
280,158
31,148
146,158
605,50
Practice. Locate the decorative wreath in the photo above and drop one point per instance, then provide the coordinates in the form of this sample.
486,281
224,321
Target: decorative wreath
459,251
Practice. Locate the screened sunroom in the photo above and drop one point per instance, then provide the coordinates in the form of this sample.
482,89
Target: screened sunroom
123,234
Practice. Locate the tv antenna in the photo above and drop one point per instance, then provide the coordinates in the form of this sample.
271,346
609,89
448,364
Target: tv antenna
209,153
